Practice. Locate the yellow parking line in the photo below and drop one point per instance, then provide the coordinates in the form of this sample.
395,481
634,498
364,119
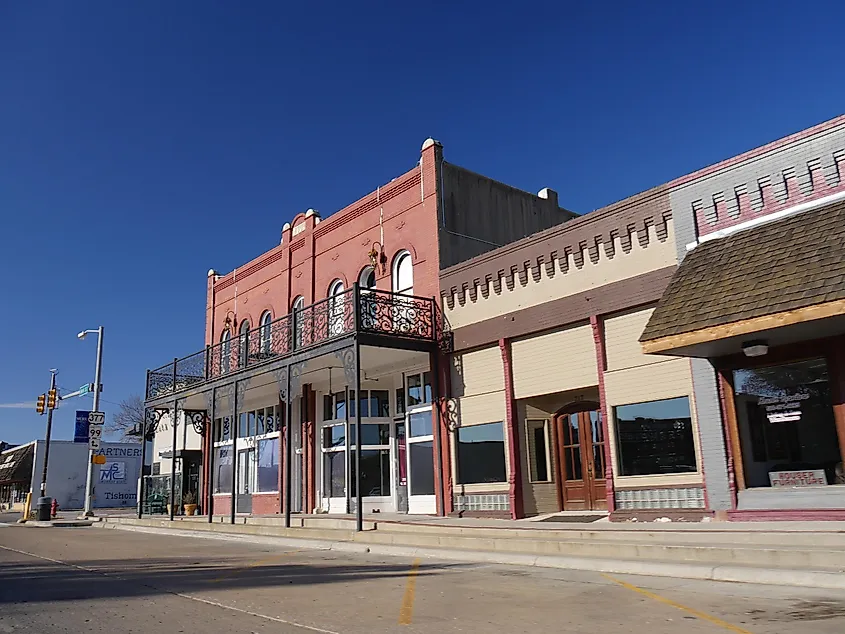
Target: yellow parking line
680,606
256,564
406,614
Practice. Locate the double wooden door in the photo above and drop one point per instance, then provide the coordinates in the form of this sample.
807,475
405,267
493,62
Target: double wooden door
580,445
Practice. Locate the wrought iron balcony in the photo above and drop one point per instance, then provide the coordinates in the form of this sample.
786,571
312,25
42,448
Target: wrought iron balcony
354,311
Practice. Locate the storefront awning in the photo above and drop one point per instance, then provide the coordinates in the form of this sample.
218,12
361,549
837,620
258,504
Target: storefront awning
16,465
782,282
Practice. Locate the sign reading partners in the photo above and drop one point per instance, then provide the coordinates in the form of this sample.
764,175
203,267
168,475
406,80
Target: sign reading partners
116,474
80,433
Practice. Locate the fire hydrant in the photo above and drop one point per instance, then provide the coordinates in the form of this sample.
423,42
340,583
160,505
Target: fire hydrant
54,508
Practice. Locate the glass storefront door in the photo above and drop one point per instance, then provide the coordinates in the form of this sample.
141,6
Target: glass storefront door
786,426
420,456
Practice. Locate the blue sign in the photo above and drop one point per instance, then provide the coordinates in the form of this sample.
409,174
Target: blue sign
80,434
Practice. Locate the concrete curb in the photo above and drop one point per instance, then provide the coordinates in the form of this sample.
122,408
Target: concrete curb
732,573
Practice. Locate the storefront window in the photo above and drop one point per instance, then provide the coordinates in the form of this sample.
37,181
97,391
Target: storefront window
786,426
223,470
655,438
375,473
268,465
481,454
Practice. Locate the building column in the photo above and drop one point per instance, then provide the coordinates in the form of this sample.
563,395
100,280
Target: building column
711,432
512,431
597,326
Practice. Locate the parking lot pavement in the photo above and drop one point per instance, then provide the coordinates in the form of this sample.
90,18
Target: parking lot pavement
91,580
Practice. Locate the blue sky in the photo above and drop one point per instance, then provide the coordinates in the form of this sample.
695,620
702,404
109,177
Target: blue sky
143,143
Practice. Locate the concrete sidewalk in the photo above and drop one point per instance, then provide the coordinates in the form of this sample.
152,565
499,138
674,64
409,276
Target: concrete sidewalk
810,554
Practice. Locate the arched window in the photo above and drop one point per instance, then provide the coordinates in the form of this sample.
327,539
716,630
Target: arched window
298,316
403,274
336,297
243,343
367,279
264,335
225,350
369,300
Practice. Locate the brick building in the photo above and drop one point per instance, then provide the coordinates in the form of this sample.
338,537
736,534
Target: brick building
342,306
732,277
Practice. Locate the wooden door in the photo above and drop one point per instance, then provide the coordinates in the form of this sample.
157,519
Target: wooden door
581,458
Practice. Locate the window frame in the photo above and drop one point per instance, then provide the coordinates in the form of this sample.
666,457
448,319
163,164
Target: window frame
398,260
264,332
504,441
531,424
619,461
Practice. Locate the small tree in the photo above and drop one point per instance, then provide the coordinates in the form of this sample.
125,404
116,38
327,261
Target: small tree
128,421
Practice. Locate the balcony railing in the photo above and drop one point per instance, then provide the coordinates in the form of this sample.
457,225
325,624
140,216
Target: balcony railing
354,310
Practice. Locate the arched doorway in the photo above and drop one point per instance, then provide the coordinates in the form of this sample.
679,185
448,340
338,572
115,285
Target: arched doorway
580,445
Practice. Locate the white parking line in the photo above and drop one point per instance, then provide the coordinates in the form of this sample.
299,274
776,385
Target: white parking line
178,594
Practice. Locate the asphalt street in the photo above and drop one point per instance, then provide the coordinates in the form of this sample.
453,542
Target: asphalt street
95,580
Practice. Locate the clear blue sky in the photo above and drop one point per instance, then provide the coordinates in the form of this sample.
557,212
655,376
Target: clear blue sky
142,143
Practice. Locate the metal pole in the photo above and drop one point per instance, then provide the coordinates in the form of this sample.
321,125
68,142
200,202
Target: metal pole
47,436
347,450
437,423
288,449
235,423
210,491
173,420
359,511
143,460
89,476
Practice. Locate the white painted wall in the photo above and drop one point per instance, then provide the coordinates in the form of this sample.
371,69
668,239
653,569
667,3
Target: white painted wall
115,483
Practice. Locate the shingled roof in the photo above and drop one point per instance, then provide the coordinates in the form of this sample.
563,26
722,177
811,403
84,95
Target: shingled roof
785,265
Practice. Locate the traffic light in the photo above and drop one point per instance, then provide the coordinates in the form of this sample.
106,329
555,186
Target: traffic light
51,399
40,403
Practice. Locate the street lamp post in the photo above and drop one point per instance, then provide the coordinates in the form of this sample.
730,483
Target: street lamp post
89,477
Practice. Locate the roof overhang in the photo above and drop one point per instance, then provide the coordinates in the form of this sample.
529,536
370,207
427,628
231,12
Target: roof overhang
811,322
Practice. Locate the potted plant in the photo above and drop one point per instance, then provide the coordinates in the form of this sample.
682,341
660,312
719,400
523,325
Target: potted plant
190,502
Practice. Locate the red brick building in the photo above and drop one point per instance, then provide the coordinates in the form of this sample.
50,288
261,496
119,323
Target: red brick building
341,306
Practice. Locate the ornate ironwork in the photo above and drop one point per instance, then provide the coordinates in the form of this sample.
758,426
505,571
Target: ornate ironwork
377,312
197,418
347,358
281,376
397,315
152,418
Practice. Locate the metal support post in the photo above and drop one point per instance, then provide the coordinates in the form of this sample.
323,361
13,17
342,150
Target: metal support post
235,423
210,460
47,436
359,511
436,413
173,419
347,450
288,448
143,460
89,476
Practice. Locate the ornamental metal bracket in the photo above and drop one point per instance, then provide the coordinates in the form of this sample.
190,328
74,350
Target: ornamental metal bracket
197,418
453,417
281,376
347,358
152,418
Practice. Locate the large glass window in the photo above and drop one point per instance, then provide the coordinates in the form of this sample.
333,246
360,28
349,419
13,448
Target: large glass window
334,479
375,473
786,425
419,389
481,454
223,470
268,465
420,424
422,467
655,437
